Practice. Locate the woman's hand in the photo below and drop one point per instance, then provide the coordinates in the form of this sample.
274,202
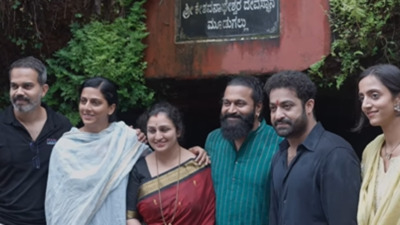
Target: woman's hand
133,222
201,155
141,136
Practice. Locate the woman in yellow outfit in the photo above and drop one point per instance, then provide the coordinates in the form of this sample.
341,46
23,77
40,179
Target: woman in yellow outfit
379,93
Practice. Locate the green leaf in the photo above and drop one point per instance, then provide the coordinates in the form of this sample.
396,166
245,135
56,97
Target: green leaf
112,50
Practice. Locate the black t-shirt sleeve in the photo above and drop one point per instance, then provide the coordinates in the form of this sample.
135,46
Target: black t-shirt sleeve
65,123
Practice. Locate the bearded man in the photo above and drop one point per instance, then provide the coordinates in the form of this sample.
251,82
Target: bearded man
29,130
316,175
241,151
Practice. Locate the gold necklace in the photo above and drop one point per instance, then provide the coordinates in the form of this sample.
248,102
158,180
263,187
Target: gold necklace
388,156
177,190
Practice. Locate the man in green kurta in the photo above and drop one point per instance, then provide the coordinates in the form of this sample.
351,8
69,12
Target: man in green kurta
241,151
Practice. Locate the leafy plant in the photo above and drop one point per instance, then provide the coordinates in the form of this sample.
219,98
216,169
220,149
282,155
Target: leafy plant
364,33
110,49
4,98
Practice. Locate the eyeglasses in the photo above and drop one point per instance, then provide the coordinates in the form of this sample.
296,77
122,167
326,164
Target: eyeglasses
36,158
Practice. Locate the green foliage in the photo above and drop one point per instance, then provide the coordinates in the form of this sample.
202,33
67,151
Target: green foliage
31,36
109,49
4,98
363,30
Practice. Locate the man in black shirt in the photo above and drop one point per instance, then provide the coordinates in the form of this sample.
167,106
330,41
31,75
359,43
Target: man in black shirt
29,130
316,175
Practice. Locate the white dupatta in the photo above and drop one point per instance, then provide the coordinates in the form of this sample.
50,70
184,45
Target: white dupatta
88,175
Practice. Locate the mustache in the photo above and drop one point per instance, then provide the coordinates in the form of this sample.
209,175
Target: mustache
21,98
226,116
283,121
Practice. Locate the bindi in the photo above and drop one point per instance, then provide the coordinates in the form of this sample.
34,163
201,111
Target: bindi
277,102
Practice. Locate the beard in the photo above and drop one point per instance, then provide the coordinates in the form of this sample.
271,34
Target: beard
293,128
29,106
239,128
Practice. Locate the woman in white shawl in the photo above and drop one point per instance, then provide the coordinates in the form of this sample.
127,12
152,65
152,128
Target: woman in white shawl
89,167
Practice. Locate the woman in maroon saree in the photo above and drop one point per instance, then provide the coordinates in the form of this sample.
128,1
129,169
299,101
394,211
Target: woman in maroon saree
168,187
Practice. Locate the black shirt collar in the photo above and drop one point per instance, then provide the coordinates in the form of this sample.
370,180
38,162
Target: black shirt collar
9,116
311,142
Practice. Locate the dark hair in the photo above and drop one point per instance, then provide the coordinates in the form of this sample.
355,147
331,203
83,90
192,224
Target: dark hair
169,110
389,76
251,82
107,88
296,81
31,63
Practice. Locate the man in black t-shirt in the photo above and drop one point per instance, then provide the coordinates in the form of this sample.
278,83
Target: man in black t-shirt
29,130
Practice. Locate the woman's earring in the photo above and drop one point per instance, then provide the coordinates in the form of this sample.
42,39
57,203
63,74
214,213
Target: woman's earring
397,107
